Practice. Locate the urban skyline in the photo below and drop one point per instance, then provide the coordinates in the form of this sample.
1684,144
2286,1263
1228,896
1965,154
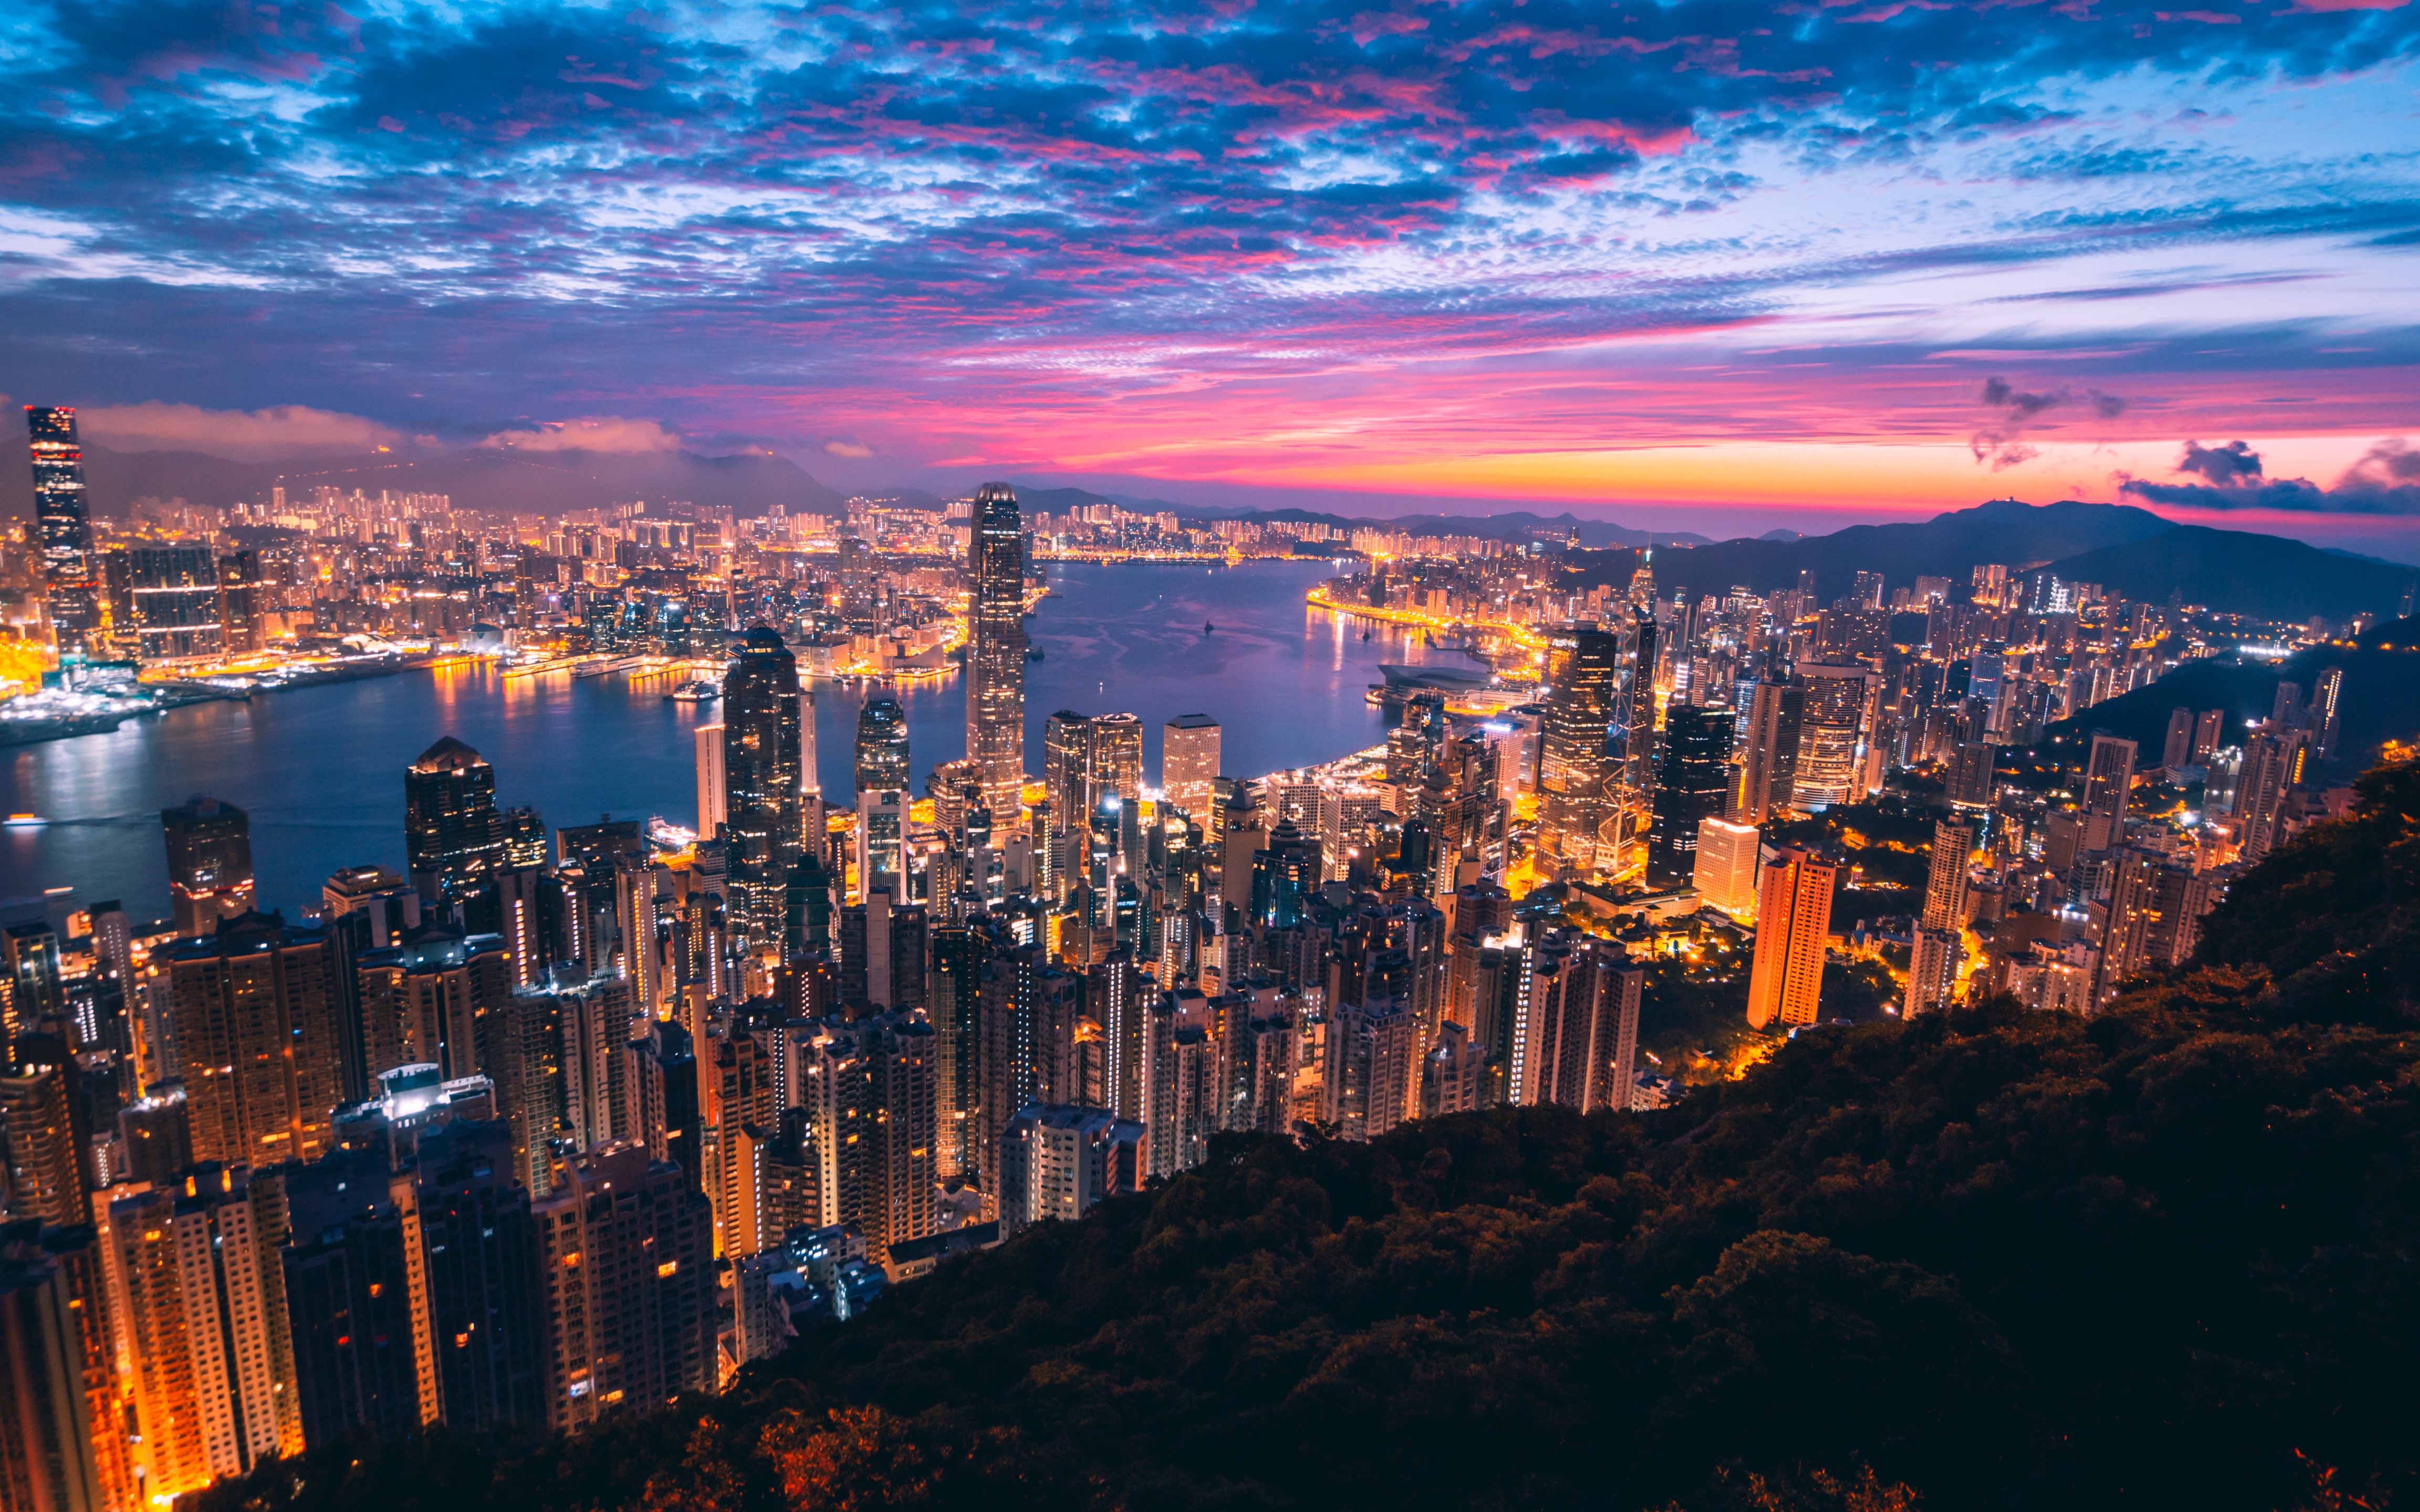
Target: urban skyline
1299,756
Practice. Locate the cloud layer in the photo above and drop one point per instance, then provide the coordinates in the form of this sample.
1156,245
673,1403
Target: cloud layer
1309,238
2386,481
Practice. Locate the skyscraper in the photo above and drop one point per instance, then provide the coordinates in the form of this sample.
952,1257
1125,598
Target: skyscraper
1944,884
454,839
243,626
37,1130
1692,785
2108,776
1833,719
1583,669
69,580
255,1007
996,651
1189,764
60,1449
625,1263
713,790
209,863
761,763
1769,745
1794,914
882,746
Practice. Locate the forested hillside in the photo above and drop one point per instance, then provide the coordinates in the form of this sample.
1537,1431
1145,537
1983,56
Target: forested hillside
2161,1258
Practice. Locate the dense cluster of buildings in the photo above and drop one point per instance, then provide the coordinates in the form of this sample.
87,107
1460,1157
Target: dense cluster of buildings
555,1122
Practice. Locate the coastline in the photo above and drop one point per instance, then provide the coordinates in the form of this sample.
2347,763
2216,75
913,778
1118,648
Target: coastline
171,695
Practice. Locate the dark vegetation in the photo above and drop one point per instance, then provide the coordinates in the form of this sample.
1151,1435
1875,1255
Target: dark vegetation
2161,1258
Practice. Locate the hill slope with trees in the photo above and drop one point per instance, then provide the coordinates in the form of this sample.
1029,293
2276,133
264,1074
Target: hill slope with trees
2157,1257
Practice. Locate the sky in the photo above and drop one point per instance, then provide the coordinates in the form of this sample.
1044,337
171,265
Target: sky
1711,262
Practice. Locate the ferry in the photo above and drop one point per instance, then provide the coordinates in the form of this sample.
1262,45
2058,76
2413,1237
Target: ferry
22,821
1207,628
697,692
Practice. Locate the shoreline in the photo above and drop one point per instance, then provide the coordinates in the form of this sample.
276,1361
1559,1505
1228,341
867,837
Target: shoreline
18,733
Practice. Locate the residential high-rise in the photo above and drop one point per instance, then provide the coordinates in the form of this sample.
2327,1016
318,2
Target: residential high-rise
1944,884
1692,785
454,839
1369,1066
209,863
2271,760
2177,748
485,1317
255,1007
763,713
38,1133
2206,733
163,601
70,581
1189,764
1060,1162
1793,914
390,904
61,1448
200,1296
2325,716
996,651
626,1267
1724,871
2108,778
953,1003
1932,970
882,746
713,790
356,1301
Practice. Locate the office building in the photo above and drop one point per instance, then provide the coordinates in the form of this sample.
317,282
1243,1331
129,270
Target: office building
1770,718
37,990
996,653
1794,916
1577,766
163,601
1692,785
63,533
882,747
255,1009
389,905
454,837
713,790
1189,764
626,1268
1724,869
762,756
243,619
1059,1162
1835,711
209,863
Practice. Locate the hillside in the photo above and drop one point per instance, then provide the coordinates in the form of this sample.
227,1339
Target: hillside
1997,1260
2268,577
1947,546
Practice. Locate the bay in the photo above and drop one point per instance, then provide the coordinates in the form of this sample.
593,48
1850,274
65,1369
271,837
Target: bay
321,770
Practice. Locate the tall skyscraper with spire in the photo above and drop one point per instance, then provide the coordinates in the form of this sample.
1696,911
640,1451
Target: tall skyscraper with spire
996,651
71,573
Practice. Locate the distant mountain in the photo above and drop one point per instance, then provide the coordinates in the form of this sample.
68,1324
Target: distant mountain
481,478
1947,546
1519,525
2269,577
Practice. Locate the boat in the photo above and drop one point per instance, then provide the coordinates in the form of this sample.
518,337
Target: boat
22,821
1365,635
1033,653
1207,628
696,692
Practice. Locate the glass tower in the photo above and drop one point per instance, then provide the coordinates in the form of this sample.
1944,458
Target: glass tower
996,651
882,746
763,778
65,529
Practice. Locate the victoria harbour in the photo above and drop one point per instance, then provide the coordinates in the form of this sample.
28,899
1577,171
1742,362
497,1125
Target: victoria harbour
320,769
